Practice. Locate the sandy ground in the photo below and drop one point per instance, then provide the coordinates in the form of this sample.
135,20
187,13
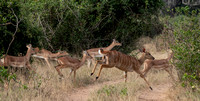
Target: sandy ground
159,93
82,94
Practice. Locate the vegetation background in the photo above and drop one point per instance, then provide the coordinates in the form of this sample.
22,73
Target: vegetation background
77,25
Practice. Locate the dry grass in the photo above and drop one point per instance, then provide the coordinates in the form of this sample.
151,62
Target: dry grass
179,93
129,91
45,85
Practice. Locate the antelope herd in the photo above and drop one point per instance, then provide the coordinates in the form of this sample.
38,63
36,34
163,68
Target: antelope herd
108,59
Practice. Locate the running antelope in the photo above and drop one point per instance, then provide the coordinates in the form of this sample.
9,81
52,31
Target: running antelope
46,55
94,52
159,64
18,61
69,62
123,62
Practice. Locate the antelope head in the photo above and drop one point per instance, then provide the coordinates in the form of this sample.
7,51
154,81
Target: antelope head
116,43
29,46
85,53
146,54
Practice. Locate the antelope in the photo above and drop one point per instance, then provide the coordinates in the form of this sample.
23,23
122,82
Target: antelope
94,52
158,64
123,62
46,55
18,61
69,62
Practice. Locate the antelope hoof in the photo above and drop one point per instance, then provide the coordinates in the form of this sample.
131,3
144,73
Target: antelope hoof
97,77
150,88
91,74
61,77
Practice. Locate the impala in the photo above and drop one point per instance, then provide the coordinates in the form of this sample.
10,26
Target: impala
123,62
158,64
94,51
18,61
46,55
69,62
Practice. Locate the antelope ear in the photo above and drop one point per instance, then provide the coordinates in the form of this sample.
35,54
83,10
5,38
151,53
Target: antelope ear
143,50
29,45
85,52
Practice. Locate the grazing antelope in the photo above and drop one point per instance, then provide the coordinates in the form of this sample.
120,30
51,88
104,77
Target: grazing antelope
18,61
94,52
123,62
158,64
46,55
69,62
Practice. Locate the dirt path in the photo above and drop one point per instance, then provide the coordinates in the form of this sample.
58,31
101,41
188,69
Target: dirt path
82,94
159,93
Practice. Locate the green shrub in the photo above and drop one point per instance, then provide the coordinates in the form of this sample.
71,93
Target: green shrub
25,33
186,47
5,76
80,25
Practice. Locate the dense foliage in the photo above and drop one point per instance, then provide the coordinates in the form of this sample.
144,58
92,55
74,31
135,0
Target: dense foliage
187,45
79,25
11,20
74,25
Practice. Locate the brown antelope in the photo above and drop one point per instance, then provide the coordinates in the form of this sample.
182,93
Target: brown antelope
158,64
46,55
18,61
123,62
94,52
69,62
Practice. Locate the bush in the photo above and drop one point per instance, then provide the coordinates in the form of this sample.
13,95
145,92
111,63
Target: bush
25,33
80,25
187,47
5,76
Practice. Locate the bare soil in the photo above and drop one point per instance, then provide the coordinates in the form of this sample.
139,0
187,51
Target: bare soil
82,94
159,93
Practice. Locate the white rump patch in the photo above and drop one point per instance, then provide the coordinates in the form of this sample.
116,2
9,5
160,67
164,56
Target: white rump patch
2,60
99,51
